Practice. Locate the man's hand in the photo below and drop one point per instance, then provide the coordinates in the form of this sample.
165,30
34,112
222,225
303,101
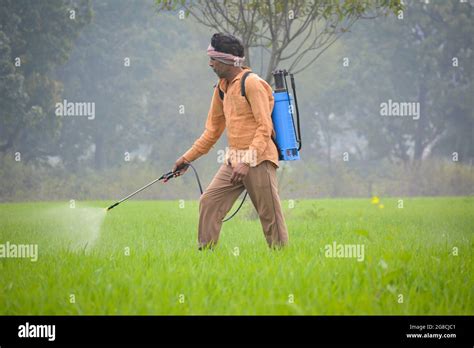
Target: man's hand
239,173
180,166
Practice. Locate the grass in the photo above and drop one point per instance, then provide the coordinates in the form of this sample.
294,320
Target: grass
142,259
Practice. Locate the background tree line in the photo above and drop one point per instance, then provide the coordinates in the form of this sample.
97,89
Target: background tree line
143,64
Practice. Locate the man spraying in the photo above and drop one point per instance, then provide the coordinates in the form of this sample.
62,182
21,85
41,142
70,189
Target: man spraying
252,157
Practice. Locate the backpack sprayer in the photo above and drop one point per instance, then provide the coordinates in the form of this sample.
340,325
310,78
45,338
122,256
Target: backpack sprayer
287,140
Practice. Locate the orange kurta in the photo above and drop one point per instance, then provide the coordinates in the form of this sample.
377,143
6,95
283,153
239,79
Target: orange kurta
249,124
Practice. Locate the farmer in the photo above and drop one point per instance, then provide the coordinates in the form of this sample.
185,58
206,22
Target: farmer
251,159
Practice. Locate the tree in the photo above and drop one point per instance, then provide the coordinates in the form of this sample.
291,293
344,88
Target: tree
294,32
138,107
35,37
110,67
423,57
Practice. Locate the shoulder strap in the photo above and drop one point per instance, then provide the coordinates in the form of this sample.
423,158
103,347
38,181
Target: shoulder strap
242,86
242,92
221,93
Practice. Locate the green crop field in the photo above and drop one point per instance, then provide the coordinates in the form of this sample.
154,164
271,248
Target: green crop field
413,257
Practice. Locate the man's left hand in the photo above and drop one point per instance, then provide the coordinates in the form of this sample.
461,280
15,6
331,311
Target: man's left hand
239,173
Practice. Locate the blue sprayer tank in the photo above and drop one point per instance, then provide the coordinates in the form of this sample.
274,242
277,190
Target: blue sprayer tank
287,140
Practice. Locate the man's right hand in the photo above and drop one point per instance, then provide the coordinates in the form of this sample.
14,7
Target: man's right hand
180,166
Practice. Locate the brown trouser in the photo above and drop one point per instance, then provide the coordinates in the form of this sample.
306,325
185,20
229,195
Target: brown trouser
217,200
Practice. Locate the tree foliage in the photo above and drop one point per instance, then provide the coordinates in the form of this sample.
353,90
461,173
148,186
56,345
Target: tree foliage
35,38
293,32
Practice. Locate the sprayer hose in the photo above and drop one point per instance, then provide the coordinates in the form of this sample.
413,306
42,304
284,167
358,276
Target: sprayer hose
201,190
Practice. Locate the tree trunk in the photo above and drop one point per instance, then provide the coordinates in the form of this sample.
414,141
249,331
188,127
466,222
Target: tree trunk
421,123
329,141
99,158
247,56
269,76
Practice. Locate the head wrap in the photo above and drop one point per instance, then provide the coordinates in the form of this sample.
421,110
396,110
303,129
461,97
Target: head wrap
225,58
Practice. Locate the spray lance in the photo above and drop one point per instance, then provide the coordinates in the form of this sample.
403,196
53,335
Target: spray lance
170,175
287,140
165,178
